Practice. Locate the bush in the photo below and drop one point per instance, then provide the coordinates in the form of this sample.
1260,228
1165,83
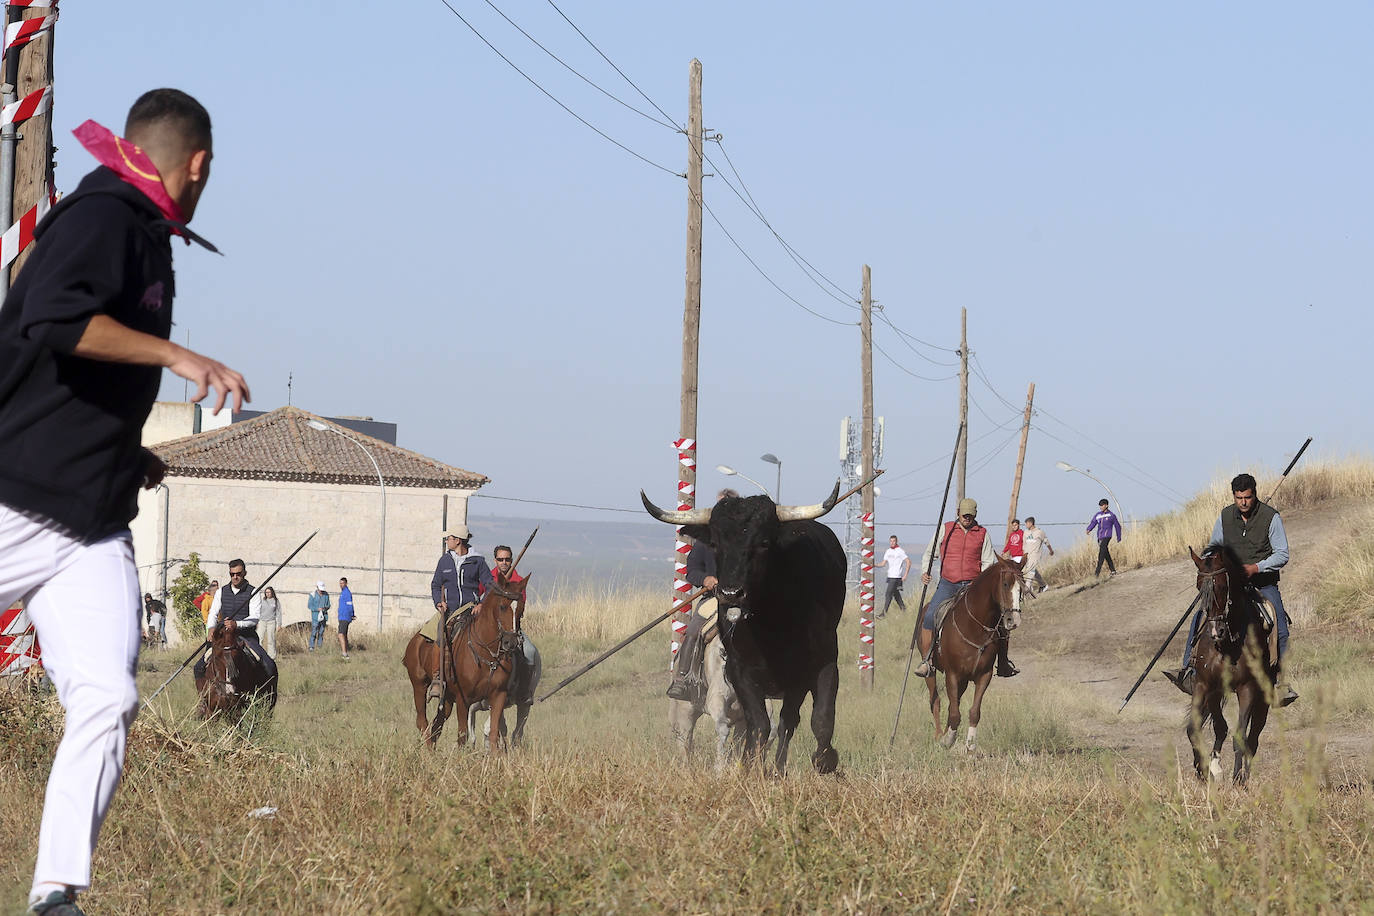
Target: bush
190,582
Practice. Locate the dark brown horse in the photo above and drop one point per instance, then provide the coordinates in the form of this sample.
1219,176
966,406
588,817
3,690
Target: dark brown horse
479,662
1232,653
968,639
233,677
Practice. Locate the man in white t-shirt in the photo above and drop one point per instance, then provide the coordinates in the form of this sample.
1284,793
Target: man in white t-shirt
898,565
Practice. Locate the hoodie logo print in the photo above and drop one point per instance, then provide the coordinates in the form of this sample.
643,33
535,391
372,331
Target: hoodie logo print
152,297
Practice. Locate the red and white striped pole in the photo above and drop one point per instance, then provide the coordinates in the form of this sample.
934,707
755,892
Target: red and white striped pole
686,499
866,595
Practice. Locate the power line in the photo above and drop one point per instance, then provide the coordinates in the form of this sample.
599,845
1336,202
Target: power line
888,356
793,299
609,61
925,343
574,72
1177,496
547,502
902,336
554,99
1117,470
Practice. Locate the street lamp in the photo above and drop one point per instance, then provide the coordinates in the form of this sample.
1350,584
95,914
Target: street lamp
731,472
381,549
774,459
1065,466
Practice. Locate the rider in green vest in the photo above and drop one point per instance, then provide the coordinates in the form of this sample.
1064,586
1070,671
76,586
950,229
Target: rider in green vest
1254,532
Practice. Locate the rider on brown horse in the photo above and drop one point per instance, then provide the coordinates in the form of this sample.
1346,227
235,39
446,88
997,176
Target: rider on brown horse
1253,531
962,553
240,602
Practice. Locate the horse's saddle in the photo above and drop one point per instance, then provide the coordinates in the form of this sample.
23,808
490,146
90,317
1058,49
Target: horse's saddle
431,626
945,607
710,627
244,644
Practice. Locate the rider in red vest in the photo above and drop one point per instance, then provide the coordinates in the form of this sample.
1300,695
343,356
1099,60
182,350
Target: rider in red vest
963,551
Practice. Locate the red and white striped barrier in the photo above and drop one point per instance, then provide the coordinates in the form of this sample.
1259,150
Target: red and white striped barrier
21,33
20,235
35,103
866,595
18,642
686,499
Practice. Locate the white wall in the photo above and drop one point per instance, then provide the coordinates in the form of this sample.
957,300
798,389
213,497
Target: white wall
263,521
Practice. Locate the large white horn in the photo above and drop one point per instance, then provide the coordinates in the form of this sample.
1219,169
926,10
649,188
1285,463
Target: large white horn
690,517
805,513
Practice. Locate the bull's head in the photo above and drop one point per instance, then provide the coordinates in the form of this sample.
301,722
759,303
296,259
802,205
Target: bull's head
741,531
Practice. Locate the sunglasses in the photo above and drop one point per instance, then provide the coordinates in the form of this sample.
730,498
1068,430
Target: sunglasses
237,575
503,559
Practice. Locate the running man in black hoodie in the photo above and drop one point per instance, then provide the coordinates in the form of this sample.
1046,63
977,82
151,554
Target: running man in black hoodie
83,341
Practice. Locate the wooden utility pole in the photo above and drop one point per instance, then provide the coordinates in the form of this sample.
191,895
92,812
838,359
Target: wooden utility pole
867,673
33,166
1021,456
962,460
691,339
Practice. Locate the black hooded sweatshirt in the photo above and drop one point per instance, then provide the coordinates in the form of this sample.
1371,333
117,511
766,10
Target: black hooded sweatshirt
70,427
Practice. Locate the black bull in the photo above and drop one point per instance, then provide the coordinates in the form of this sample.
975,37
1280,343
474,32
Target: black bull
781,575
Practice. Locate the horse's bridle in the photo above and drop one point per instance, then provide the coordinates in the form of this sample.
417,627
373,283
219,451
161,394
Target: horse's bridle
1217,619
991,632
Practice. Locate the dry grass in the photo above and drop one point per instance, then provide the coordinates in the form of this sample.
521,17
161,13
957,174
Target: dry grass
1168,536
597,813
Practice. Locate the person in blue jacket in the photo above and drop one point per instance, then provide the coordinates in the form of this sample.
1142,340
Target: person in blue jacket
460,576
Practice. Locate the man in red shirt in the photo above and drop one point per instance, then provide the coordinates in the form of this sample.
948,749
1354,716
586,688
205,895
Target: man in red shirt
962,550
1013,547
504,559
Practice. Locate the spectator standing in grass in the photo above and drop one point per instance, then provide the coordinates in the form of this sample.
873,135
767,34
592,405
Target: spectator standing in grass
269,619
156,613
1035,542
205,599
898,567
319,616
1015,546
1106,522
345,615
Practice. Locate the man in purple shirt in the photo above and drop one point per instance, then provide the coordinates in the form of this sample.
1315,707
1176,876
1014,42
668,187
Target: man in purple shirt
1105,521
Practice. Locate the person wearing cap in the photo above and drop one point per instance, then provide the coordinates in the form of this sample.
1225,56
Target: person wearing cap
460,575
962,552
1105,521
319,615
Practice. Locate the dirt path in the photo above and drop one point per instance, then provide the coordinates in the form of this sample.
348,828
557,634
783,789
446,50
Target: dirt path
1100,635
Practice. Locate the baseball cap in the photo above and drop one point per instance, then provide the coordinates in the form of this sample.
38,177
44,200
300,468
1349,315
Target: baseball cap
968,507
319,585
460,532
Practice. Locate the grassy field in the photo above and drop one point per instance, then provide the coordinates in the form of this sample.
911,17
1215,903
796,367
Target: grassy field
598,813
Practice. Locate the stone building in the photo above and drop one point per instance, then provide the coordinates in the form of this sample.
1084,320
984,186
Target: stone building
255,489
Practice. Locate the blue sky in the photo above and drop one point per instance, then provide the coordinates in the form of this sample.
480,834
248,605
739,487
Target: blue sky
1161,216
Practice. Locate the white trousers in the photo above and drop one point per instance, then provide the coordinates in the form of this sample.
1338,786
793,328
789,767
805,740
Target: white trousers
84,602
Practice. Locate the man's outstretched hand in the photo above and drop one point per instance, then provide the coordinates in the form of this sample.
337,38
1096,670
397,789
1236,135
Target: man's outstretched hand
207,374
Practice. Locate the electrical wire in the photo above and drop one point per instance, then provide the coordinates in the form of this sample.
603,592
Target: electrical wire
903,335
554,98
609,61
888,356
547,502
771,282
1177,496
668,124
1116,470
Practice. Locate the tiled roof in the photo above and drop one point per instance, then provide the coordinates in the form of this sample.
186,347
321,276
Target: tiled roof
281,446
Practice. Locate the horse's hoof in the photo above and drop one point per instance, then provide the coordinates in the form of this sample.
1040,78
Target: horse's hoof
947,741
1214,768
826,761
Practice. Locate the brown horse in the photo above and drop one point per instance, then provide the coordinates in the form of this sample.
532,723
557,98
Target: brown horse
233,677
479,662
1232,653
968,639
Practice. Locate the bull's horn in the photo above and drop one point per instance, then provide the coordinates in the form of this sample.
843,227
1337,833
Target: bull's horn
805,513
690,517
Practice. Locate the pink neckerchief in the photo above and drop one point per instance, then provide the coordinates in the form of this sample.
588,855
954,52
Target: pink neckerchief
131,164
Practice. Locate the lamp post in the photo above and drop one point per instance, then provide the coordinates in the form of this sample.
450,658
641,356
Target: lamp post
774,459
381,548
731,472
1065,466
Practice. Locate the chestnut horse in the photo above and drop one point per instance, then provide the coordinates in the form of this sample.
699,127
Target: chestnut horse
478,664
968,637
1231,653
233,677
